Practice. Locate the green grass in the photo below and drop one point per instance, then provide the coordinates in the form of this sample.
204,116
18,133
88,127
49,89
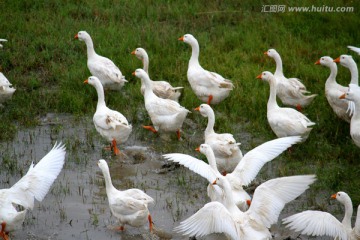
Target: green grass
47,66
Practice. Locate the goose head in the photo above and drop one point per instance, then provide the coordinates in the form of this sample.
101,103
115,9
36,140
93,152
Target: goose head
82,36
140,73
345,60
352,94
341,197
266,76
205,149
140,53
94,81
204,109
325,61
271,53
188,38
103,165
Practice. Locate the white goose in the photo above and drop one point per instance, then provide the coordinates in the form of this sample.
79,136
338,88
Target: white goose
2,40
161,89
166,115
269,199
333,90
6,89
348,62
290,90
129,206
318,223
284,121
101,67
209,87
355,49
225,147
244,173
34,185
111,124
353,94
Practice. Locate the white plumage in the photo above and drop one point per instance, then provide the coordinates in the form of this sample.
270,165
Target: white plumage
2,40
166,115
333,90
284,121
209,87
318,223
355,49
353,95
244,173
268,201
129,206
6,89
103,68
34,185
111,124
161,89
348,62
291,91
224,145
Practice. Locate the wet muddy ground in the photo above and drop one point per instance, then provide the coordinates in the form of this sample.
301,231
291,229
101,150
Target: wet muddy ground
77,207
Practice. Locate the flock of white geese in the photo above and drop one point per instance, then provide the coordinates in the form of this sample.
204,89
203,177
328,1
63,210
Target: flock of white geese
231,211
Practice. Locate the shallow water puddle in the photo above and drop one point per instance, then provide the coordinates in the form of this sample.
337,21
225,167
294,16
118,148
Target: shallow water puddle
77,206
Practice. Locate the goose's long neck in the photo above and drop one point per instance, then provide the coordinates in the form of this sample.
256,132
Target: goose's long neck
90,47
145,61
272,98
348,214
333,73
229,202
211,122
148,88
354,73
101,96
108,183
279,67
212,160
195,50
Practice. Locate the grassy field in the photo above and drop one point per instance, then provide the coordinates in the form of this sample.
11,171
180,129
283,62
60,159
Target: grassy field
47,66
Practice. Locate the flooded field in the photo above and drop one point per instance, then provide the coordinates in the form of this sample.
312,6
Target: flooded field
77,206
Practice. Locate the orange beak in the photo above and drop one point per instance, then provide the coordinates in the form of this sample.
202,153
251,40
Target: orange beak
337,60
133,52
197,149
197,109
248,202
181,39
317,62
258,76
214,182
333,196
342,96
133,74
86,81
76,36
266,53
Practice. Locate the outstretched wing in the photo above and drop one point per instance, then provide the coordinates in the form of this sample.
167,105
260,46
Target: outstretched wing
316,223
254,160
194,164
270,197
212,218
38,180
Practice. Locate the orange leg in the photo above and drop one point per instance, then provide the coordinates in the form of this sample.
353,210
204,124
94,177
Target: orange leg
178,134
121,228
150,223
248,202
299,108
114,147
3,234
209,99
224,173
150,128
